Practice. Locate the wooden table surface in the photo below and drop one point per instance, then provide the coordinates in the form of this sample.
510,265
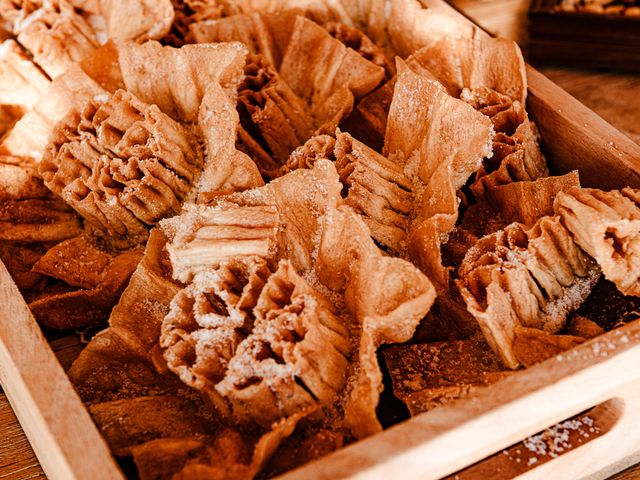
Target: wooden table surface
613,95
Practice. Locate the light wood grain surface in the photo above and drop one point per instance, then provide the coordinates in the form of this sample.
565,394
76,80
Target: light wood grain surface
613,95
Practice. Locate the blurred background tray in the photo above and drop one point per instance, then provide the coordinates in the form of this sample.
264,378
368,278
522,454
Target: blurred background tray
583,38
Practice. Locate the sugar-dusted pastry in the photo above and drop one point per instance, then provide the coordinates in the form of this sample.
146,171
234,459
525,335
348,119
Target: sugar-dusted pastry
326,74
478,63
358,41
329,282
515,158
525,277
21,81
293,357
607,226
188,12
442,141
209,319
206,237
377,188
527,201
273,120
130,422
66,94
28,211
489,74
532,345
93,280
251,29
55,32
138,20
386,296
368,121
123,165
176,79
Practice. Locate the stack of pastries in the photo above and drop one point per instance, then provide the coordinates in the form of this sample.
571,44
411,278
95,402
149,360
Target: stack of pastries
252,198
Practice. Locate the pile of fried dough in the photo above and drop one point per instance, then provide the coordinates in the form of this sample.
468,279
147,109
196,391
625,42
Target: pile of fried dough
258,195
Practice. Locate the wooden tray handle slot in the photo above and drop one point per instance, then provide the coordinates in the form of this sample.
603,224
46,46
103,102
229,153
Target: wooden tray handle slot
547,445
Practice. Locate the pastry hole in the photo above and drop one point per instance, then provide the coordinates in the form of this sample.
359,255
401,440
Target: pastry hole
265,352
304,386
246,382
215,304
616,243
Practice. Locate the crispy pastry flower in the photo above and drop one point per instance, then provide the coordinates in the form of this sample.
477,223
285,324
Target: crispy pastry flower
607,226
525,277
123,165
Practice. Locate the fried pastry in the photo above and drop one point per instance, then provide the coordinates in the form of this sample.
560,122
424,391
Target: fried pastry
326,74
251,29
443,141
21,81
515,158
532,345
387,296
206,237
209,319
188,12
524,277
377,188
123,165
527,201
65,95
606,225
92,303
54,31
176,79
358,41
274,121
481,62
137,20
293,357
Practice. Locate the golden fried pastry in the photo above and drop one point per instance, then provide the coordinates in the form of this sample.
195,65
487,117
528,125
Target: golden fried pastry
326,74
387,296
67,94
208,319
131,422
208,236
274,121
532,345
478,63
123,165
378,188
251,29
443,141
227,169
92,303
54,31
138,20
607,226
21,82
524,277
527,201
176,79
294,356
515,158
358,41
188,12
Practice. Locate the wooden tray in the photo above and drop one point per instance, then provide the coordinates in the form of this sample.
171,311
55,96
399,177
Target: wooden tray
602,373
582,38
